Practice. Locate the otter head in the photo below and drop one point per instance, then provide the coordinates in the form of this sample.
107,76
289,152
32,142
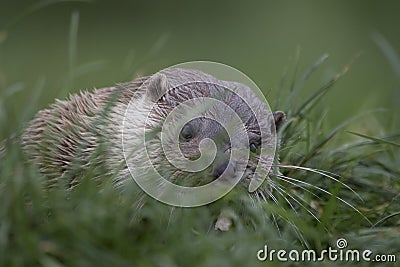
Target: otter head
182,110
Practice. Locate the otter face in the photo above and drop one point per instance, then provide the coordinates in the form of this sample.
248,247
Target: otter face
207,126
196,130
201,137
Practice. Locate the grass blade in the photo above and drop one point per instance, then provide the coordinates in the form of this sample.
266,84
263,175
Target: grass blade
35,7
375,139
304,78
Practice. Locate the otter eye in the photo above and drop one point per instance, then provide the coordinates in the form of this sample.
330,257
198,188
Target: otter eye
253,147
187,132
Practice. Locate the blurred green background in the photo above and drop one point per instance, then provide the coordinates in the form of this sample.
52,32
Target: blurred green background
73,45
51,48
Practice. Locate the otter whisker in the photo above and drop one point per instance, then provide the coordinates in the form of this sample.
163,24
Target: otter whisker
276,201
285,178
291,223
301,187
253,201
298,202
264,198
260,192
276,224
323,173
279,190
274,186
269,194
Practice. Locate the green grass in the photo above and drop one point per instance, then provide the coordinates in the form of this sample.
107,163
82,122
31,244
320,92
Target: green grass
96,225
99,226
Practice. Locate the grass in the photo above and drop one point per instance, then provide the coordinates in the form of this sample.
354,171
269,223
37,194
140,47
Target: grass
334,182
98,226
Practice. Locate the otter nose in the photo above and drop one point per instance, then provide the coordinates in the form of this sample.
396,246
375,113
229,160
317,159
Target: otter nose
219,170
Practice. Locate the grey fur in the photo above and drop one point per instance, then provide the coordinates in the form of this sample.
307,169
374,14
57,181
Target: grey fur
84,132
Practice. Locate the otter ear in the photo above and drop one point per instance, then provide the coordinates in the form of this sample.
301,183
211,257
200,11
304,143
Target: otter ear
157,86
280,118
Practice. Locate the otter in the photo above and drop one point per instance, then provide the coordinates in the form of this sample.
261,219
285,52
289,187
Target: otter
83,133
